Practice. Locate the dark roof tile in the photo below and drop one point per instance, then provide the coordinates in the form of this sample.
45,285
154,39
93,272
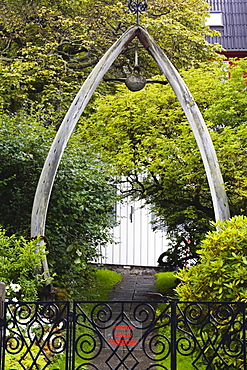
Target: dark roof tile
234,30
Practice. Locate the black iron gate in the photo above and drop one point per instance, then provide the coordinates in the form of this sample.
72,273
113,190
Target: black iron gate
123,335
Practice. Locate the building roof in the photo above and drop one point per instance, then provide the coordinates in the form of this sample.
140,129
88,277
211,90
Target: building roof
233,29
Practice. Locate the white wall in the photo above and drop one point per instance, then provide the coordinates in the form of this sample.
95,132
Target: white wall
136,242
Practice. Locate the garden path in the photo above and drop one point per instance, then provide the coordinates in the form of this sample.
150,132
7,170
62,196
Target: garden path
134,288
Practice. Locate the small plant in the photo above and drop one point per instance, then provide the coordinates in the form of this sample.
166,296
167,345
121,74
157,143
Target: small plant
20,262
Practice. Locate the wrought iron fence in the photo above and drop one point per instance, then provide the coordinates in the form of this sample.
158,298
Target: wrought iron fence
123,335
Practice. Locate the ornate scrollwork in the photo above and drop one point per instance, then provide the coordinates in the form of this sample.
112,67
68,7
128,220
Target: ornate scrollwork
49,313
137,6
223,314
36,332
157,346
101,314
14,343
88,346
22,314
144,314
57,342
186,345
93,333
212,332
234,347
194,313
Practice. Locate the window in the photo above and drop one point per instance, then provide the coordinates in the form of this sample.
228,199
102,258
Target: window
215,19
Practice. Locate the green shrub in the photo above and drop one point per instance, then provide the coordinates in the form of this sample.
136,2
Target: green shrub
80,215
220,276
166,282
221,273
19,266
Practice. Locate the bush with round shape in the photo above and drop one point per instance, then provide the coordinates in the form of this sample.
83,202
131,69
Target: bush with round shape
221,273
220,276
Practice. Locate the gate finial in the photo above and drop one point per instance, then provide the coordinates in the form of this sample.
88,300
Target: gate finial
137,7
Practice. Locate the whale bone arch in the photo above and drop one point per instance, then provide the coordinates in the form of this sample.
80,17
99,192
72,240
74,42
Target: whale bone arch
191,110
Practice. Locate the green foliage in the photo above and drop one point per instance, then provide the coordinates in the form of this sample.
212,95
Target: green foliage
48,47
81,207
39,43
147,138
229,108
221,273
20,262
166,282
11,360
220,276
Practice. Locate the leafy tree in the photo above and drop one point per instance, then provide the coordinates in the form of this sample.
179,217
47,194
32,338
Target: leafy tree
147,138
39,43
47,47
80,212
229,108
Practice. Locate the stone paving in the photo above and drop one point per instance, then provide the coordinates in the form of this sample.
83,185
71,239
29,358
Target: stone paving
134,288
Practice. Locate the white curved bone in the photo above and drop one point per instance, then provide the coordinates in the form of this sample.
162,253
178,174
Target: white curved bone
215,180
198,126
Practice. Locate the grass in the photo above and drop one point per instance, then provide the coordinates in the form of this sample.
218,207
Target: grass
166,282
104,282
99,284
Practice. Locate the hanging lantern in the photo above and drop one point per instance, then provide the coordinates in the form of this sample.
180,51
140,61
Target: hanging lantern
135,82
